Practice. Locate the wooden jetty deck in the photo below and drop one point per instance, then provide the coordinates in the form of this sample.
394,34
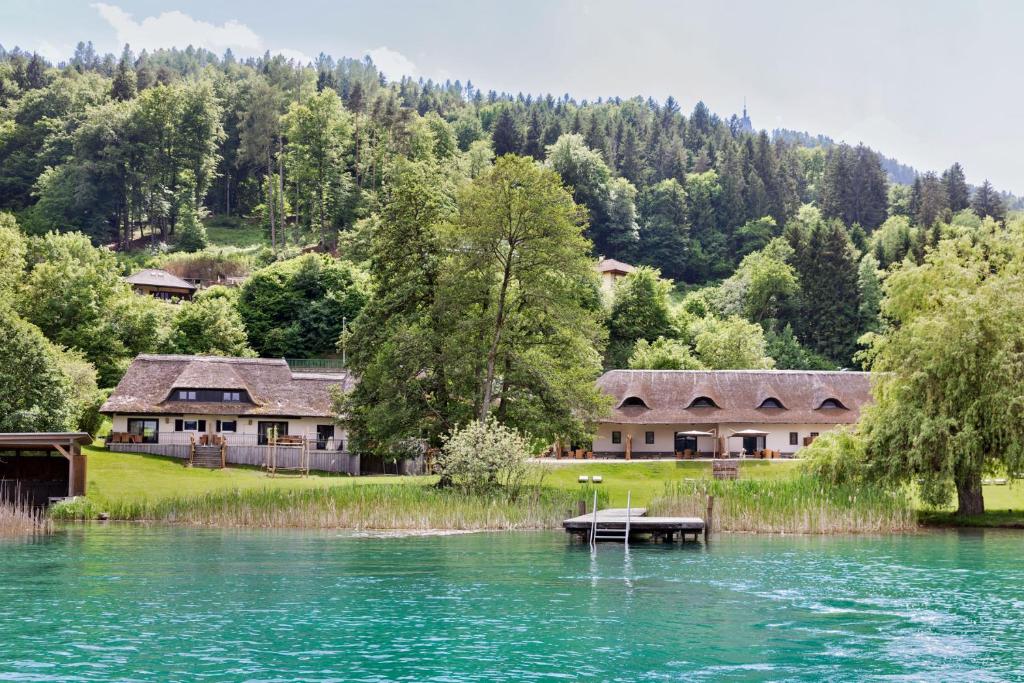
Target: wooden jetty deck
611,525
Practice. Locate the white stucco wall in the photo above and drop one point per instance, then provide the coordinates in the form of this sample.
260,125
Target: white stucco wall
305,426
664,437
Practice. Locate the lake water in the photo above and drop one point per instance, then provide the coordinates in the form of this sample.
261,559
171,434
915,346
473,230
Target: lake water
135,603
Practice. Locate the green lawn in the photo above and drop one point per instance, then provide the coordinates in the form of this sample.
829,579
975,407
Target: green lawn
646,480
136,477
234,233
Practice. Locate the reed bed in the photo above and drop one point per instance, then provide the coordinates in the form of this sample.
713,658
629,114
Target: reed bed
803,505
384,507
20,519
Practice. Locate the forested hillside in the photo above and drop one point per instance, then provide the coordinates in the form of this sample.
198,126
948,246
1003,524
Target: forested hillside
763,250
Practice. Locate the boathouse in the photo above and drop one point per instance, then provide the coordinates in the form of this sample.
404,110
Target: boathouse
39,467
253,407
722,413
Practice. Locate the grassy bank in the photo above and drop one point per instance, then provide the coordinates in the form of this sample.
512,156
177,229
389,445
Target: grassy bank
798,505
373,506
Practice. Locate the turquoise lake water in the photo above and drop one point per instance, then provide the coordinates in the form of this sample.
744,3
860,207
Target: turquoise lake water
134,603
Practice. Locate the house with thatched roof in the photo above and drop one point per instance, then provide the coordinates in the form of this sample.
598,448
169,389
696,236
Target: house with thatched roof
707,413
165,404
161,284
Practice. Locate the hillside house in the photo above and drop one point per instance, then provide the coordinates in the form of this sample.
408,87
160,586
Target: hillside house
161,285
611,271
709,413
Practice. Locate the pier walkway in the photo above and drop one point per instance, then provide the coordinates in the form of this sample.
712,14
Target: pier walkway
611,524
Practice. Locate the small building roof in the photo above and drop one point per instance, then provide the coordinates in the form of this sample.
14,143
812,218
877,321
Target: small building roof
147,388
737,396
41,440
610,265
154,277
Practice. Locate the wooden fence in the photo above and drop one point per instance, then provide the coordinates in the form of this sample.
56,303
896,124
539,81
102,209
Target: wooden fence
257,456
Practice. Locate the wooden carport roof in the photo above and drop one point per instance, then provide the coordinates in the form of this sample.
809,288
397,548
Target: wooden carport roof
68,444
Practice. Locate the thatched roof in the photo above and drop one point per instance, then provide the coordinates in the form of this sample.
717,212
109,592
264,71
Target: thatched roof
154,277
610,265
148,385
669,394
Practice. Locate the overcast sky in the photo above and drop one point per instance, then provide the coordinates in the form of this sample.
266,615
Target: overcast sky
926,82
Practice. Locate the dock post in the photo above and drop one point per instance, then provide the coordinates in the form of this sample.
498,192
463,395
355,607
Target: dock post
709,518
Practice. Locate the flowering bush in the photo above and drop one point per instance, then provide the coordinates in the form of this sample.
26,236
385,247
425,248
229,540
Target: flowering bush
484,455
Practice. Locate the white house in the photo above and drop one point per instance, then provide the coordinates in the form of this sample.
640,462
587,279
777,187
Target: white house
660,413
164,403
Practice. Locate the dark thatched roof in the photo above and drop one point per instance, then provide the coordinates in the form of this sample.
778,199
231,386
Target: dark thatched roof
669,394
274,389
154,277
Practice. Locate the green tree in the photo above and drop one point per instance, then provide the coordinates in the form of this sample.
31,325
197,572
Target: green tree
297,308
949,375
987,202
761,285
520,259
663,354
124,86
507,136
208,325
12,256
319,132
191,231
35,394
640,311
958,195
790,354
730,343
664,228
869,284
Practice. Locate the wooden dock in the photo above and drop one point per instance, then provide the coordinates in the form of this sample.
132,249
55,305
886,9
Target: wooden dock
611,523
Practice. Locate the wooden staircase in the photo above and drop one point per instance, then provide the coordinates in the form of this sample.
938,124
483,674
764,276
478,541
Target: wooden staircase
211,457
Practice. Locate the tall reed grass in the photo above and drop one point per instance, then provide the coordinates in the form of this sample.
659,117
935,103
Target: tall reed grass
803,505
21,519
411,507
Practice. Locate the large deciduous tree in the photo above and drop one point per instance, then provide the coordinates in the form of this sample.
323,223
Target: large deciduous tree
949,371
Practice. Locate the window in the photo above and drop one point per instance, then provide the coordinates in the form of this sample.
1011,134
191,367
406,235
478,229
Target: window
703,402
227,425
185,395
685,443
648,437
794,438
190,425
211,395
616,437
633,401
324,436
232,396
814,435
771,403
265,430
147,429
831,404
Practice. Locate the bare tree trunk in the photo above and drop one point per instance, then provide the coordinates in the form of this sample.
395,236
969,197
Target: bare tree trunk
271,200
970,499
499,326
282,218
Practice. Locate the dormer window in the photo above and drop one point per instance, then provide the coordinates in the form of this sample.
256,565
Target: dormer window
703,402
211,395
831,404
633,401
772,403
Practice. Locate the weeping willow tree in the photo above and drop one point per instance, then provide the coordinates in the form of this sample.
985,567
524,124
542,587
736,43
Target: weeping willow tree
949,369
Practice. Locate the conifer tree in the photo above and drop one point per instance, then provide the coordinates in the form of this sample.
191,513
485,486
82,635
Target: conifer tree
506,136
987,202
957,194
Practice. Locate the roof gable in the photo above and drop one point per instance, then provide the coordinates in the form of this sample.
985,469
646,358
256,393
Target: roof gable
154,277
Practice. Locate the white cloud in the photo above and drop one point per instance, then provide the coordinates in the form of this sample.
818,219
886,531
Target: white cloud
177,29
392,63
54,53
297,55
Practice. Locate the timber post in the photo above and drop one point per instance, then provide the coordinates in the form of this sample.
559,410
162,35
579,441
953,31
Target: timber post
709,518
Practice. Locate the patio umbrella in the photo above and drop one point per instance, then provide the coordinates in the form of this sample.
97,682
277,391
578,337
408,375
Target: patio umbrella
695,432
749,432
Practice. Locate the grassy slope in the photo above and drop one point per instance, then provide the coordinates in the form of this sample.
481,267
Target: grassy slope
230,234
134,477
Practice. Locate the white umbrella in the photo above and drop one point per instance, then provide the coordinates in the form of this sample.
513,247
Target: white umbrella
694,432
749,432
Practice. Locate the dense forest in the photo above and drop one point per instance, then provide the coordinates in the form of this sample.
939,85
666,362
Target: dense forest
755,249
